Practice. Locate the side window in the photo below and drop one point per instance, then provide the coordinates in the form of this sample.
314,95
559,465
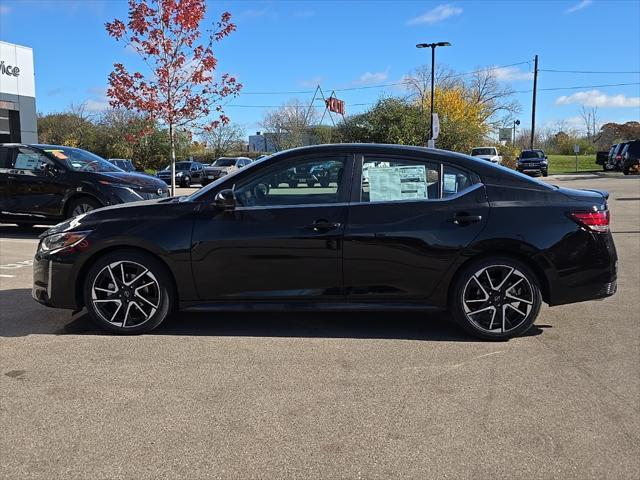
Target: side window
28,159
301,182
454,181
392,180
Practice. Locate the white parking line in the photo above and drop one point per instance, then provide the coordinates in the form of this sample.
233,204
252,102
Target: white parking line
2,275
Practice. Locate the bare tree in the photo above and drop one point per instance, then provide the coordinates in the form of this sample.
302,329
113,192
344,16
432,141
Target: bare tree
224,138
496,99
590,118
289,126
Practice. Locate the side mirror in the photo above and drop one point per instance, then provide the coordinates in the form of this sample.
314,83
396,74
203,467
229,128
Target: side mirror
226,200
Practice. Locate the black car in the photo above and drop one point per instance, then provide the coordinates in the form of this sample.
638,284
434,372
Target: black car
630,156
123,163
44,184
187,172
429,230
533,162
615,160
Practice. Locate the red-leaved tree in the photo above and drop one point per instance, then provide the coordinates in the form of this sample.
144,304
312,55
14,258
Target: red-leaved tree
178,88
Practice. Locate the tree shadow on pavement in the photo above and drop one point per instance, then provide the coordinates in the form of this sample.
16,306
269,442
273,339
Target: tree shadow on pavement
21,315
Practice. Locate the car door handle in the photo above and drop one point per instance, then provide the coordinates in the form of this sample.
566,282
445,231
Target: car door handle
322,226
463,218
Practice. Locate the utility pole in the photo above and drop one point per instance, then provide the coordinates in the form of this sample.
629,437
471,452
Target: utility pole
433,66
533,108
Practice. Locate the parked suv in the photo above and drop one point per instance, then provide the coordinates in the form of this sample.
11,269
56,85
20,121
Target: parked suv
44,184
615,160
186,173
631,156
223,166
533,162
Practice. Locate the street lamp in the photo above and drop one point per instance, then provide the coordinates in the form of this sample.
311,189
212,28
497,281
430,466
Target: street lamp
433,65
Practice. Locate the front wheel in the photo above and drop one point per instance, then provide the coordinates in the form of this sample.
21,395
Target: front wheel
545,173
496,298
128,292
186,182
82,205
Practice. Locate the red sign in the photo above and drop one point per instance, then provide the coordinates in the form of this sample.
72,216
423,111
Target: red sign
335,105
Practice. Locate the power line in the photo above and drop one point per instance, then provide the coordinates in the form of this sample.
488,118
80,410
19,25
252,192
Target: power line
383,85
577,87
586,71
549,89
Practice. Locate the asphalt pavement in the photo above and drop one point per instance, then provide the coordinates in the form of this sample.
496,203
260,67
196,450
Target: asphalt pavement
324,395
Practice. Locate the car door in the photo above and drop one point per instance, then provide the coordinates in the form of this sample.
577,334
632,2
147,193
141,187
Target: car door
6,161
408,221
278,243
32,189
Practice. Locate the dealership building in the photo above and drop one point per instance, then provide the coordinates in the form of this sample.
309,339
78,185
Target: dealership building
18,121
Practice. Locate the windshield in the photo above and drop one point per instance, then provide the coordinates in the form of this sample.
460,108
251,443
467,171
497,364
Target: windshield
81,160
224,162
180,166
532,154
483,151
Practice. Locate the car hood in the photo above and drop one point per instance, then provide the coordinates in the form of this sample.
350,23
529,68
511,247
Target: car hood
486,157
139,180
115,213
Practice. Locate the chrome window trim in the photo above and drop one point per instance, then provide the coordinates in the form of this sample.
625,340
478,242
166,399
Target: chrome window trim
304,205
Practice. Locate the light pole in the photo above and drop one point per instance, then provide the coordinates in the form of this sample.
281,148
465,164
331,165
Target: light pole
515,122
433,66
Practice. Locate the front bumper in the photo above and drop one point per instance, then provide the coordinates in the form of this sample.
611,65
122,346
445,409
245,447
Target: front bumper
53,282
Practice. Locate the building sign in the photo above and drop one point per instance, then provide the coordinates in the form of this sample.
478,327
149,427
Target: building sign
335,105
8,69
16,71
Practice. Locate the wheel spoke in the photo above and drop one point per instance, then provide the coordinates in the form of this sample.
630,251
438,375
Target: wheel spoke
133,303
493,317
517,299
137,278
486,309
505,279
510,305
137,295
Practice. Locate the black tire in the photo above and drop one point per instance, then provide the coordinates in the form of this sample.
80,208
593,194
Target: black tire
81,205
161,293
292,183
186,182
625,170
204,183
310,183
518,316
545,173
274,184
324,183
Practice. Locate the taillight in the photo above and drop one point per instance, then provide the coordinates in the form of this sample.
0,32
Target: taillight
594,221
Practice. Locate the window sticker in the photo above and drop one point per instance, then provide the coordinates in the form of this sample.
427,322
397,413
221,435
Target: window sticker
58,154
25,161
397,183
450,183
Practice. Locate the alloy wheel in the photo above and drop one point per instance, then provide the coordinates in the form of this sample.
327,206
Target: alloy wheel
81,208
125,294
498,299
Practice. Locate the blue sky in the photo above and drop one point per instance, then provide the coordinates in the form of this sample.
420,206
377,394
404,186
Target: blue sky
286,46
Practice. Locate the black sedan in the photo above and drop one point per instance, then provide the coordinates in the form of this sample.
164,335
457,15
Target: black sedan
401,228
186,173
44,184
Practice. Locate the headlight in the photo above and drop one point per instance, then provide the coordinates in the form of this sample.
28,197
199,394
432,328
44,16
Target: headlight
179,174
61,241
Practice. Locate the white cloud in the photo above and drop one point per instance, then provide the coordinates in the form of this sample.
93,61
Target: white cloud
510,74
371,78
97,105
596,98
4,10
311,82
579,6
435,15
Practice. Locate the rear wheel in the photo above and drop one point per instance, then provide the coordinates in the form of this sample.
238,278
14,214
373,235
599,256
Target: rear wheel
82,205
496,298
128,292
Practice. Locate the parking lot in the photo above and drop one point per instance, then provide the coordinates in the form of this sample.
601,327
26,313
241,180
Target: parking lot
324,395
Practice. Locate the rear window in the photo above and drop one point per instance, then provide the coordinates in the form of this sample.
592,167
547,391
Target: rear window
483,151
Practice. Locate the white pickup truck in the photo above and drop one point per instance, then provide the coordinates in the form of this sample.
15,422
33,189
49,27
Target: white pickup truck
487,153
